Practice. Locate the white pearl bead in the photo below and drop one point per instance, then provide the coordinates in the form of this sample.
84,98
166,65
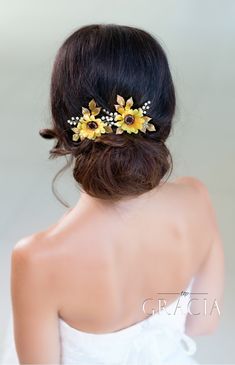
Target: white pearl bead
72,118
77,118
102,118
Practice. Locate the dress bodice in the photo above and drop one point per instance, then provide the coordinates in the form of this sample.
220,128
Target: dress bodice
158,339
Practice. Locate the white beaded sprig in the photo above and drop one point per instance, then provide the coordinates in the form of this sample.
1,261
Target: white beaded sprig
109,117
146,106
72,121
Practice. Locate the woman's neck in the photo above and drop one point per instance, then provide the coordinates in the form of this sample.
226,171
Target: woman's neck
125,204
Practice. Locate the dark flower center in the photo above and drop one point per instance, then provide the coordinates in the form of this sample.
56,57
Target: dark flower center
92,125
129,119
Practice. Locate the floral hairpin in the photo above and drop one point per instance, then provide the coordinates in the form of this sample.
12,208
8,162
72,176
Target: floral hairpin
88,126
125,119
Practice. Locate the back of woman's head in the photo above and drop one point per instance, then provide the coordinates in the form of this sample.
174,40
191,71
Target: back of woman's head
101,61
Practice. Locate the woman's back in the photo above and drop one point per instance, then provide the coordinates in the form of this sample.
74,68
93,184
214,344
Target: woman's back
106,261
96,267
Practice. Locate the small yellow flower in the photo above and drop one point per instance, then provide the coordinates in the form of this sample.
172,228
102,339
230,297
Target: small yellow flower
89,126
131,120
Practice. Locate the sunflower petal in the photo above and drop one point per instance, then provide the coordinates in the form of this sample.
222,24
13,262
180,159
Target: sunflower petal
82,138
119,109
120,100
118,117
151,127
99,122
86,118
140,111
129,103
119,131
92,104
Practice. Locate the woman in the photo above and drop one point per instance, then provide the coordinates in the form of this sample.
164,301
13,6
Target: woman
84,289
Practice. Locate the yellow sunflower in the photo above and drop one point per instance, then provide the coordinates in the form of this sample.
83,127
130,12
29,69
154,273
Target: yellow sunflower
131,120
89,126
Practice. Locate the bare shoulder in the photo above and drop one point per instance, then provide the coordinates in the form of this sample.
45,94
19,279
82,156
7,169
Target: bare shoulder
194,206
30,257
196,189
24,248
29,246
33,286
197,196
191,181
32,246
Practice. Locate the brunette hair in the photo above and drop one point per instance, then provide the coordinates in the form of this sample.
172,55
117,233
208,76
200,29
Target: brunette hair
100,61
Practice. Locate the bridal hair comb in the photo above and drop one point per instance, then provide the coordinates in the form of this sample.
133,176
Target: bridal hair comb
95,121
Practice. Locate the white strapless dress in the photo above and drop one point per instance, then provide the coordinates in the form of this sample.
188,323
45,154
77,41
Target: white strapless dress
158,339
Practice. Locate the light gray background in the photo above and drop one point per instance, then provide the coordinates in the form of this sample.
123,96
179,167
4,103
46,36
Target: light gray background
198,36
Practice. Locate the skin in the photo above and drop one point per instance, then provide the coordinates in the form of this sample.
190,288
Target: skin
100,261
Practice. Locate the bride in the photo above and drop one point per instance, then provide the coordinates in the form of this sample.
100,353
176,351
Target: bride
84,290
